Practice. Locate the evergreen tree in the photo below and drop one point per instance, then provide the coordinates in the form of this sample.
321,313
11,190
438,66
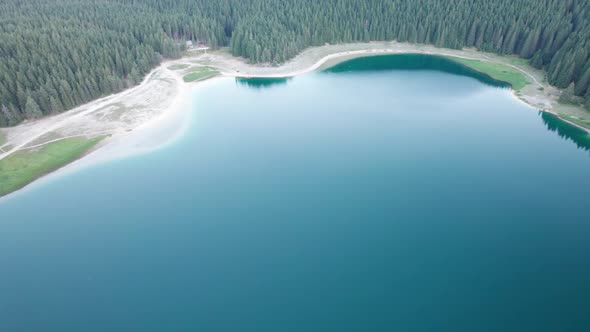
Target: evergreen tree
568,95
32,110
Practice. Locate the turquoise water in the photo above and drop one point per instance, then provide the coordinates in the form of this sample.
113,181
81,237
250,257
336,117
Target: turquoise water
369,197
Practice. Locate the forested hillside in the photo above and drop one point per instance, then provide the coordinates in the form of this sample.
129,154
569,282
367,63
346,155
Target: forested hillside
56,54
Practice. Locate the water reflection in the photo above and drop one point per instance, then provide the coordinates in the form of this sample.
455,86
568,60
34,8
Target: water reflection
566,131
262,82
413,62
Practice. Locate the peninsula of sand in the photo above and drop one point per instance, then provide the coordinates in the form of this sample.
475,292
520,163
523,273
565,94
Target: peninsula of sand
153,113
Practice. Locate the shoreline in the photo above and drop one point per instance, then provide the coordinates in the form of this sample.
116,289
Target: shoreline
169,121
170,125
348,55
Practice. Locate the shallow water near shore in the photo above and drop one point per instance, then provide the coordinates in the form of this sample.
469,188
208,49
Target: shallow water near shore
370,196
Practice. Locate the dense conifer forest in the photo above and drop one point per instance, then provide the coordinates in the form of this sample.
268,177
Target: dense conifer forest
56,54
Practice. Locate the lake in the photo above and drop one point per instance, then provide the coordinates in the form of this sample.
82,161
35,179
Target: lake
401,193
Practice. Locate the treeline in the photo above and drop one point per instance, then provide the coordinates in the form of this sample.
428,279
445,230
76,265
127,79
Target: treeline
56,54
553,34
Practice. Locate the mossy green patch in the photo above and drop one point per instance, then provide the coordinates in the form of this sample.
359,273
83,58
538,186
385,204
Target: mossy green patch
178,66
199,74
50,136
579,122
25,166
497,71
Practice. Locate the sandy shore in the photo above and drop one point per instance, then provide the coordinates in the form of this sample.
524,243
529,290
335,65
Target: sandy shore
537,94
154,113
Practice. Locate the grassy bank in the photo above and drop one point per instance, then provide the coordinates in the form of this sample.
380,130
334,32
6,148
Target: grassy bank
497,71
25,166
199,74
579,122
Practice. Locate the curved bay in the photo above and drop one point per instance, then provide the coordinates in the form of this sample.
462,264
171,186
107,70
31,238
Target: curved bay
415,200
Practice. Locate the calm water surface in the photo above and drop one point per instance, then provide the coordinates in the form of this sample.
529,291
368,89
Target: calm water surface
399,193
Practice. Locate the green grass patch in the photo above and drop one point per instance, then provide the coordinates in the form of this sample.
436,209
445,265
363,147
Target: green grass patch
25,166
579,122
178,66
50,136
199,74
497,71
514,60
